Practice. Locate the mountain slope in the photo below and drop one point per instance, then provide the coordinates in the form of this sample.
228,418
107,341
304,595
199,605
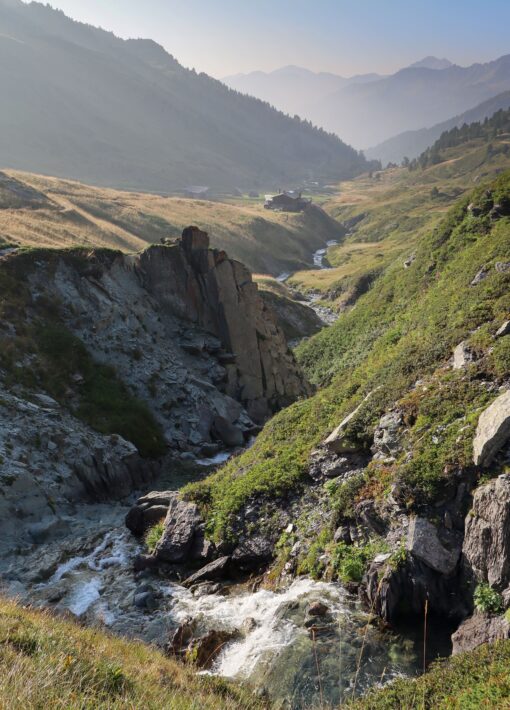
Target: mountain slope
79,102
412,143
412,98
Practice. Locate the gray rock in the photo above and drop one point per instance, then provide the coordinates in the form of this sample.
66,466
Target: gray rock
141,517
486,545
462,356
337,442
502,266
423,542
213,571
493,430
479,629
228,433
387,434
181,523
253,553
146,600
480,276
503,330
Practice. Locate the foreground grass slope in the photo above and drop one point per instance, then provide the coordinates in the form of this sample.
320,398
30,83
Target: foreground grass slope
480,679
44,211
397,208
402,330
46,662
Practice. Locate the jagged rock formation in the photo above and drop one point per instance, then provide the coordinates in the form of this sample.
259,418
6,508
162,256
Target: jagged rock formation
205,287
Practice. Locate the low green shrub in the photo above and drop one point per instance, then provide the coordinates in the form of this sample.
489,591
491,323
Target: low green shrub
153,535
488,599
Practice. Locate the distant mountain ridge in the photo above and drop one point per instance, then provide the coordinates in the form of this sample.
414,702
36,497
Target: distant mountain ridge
368,110
431,63
292,89
412,143
79,102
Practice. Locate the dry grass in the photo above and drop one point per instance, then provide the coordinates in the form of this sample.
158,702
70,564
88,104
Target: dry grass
83,215
47,662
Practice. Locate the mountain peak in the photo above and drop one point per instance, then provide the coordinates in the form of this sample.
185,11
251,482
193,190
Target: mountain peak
431,62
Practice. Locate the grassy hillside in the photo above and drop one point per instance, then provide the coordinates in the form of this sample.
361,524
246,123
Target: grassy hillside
79,102
42,211
398,208
470,681
402,330
46,662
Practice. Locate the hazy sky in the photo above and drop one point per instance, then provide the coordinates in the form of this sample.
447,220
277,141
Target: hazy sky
344,36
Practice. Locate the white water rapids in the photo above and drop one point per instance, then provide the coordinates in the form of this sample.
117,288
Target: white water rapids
273,648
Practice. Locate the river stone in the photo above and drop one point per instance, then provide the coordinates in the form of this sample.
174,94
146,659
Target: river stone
213,571
252,553
181,522
423,542
493,430
479,629
487,537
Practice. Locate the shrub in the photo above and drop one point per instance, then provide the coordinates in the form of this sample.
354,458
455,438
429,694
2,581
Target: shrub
488,599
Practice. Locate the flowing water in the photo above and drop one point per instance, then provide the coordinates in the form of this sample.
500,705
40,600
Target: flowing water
278,648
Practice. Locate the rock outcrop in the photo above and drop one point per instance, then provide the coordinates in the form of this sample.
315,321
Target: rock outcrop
493,430
486,547
205,287
479,629
185,332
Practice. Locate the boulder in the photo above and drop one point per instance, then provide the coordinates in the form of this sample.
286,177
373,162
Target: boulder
480,276
215,570
337,442
140,519
252,553
317,608
228,433
439,553
493,430
479,629
180,526
503,330
487,538
462,356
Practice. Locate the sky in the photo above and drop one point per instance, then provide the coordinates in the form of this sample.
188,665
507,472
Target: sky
223,37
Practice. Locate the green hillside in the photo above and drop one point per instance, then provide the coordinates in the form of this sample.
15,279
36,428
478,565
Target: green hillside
394,210
402,330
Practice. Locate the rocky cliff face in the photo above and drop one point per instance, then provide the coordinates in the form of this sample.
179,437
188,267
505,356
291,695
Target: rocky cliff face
180,327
